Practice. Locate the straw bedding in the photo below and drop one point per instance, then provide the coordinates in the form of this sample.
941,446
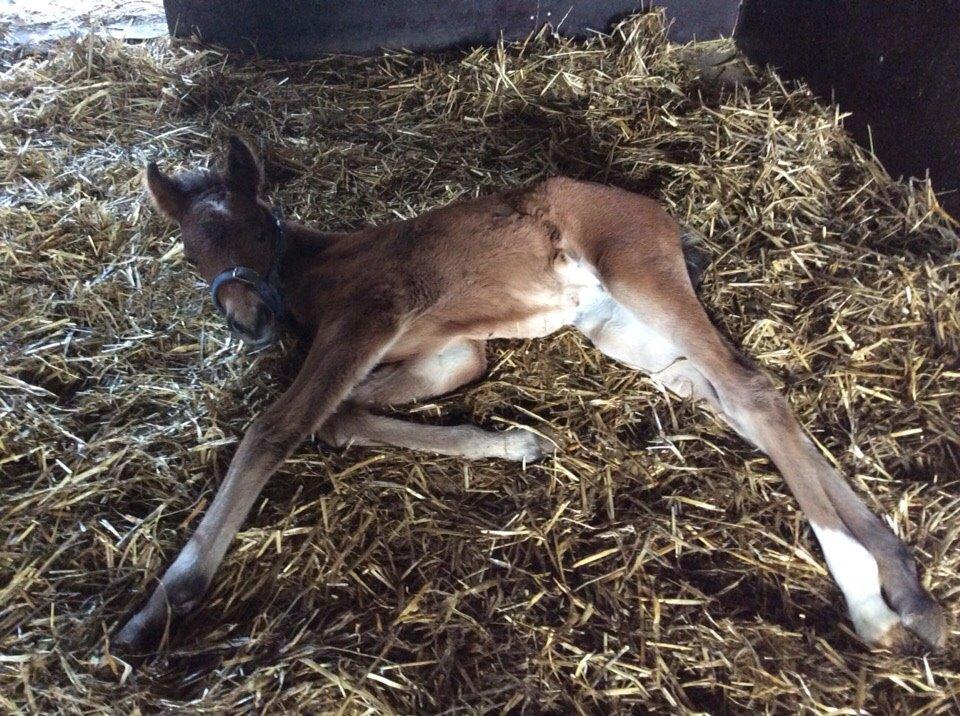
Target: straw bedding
658,563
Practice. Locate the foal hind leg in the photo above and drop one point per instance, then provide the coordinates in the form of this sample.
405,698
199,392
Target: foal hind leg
424,377
656,323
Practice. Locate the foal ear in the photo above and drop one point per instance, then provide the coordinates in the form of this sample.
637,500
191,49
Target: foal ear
244,174
167,194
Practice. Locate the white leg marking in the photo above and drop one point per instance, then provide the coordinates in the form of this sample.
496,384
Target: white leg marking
613,329
858,577
524,446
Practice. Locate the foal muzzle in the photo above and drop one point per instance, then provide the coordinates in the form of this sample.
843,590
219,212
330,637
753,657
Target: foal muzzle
268,289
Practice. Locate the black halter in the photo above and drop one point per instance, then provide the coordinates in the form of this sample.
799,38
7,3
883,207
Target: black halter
268,289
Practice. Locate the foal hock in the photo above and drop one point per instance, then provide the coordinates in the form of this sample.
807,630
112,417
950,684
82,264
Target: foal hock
401,312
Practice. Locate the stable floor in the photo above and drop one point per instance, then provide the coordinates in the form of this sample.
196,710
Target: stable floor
657,563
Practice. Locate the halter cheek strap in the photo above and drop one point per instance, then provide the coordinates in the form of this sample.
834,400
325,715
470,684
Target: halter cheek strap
268,289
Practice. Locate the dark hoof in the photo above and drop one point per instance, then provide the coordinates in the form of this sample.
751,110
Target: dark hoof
931,626
922,630
144,631
138,636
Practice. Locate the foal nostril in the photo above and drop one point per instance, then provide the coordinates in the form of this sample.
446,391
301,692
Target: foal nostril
240,328
251,332
235,325
263,317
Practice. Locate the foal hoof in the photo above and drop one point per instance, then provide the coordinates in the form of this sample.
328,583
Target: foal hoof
526,446
931,626
164,609
925,629
138,636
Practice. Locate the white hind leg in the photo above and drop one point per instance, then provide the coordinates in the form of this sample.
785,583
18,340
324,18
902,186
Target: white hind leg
619,334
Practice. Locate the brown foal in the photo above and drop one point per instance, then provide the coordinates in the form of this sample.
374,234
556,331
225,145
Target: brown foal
401,312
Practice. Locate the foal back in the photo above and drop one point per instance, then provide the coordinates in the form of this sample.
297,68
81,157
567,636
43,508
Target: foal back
523,263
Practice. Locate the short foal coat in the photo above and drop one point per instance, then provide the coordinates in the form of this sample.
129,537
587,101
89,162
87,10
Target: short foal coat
401,312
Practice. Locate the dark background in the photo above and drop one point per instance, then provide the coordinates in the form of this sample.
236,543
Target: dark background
306,28
894,65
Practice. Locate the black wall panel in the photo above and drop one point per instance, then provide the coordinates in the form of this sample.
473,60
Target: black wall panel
894,65
306,28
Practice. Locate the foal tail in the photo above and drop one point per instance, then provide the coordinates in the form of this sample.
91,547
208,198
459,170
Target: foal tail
695,253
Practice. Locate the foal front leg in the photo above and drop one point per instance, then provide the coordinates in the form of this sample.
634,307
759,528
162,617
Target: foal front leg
357,426
337,361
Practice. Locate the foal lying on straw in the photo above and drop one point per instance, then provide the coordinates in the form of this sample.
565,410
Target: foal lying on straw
401,312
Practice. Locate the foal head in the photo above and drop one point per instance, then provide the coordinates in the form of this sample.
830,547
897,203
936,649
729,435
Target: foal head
230,236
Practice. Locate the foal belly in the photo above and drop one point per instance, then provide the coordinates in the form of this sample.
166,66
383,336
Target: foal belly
540,324
547,309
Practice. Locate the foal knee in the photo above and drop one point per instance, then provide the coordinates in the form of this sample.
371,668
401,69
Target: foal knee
341,427
274,435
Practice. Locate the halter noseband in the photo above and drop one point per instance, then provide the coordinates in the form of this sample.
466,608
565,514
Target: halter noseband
267,289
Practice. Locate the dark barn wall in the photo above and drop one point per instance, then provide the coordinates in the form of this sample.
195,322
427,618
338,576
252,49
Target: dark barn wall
894,65
307,28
